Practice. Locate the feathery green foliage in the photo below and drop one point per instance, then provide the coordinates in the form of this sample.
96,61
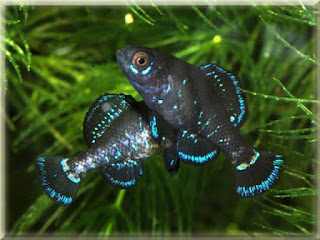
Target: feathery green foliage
60,59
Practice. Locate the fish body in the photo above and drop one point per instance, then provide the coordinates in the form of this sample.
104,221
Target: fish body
119,137
129,138
206,100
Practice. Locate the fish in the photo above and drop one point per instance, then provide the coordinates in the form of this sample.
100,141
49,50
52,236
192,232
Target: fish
119,137
204,101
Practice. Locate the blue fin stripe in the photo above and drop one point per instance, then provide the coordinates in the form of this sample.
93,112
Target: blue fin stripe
58,197
264,185
205,66
197,159
121,183
119,167
240,99
238,91
66,168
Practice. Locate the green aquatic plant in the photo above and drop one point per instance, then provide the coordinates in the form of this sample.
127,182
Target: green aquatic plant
60,59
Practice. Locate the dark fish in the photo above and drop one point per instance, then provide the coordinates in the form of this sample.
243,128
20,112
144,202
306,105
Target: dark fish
119,137
206,100
117,130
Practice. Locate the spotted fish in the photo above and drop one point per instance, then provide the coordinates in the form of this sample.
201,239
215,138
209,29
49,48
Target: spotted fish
206,100
119,137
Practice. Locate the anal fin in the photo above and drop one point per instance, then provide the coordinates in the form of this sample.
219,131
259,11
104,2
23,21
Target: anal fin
194,149
123,174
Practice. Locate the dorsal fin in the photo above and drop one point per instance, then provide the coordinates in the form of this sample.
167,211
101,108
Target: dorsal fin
106,109
227,85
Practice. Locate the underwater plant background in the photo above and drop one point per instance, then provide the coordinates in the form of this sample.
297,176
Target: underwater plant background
59,59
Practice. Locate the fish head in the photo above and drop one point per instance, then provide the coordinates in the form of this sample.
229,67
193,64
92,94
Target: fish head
145,69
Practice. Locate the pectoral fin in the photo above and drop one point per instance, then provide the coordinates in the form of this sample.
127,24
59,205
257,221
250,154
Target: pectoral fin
171,160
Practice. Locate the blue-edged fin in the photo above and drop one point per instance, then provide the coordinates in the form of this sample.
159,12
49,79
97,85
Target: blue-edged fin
227,86
257,175
171,160
57,181
106,109
123,174
194,149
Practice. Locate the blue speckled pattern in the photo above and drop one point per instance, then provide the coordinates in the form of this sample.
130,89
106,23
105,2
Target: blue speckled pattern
103,112
195,150
205,100
56,180
227,85
265,184
123,174
122,139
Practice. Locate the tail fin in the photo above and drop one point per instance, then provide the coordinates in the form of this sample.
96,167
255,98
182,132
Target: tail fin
58,184
259,174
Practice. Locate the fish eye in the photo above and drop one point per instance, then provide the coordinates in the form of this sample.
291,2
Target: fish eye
140,59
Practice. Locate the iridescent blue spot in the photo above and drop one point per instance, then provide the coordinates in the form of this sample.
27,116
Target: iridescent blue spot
65,166
253,161
146,71
154,129
232,119
73,179
135,71
184,81
200,115
160,101
210,73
